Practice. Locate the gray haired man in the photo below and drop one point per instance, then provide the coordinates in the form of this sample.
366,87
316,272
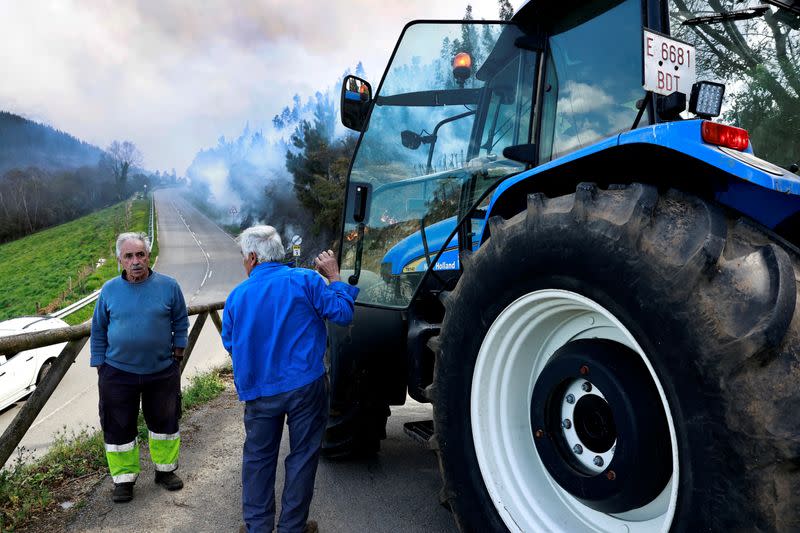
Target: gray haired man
139,332
274,328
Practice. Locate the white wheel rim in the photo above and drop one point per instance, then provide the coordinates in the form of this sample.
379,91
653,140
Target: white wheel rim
516,348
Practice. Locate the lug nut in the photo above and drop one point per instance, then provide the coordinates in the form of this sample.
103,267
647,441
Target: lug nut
584,370
539,433
570,398
566,424
587,387
598,461
578,449
611,475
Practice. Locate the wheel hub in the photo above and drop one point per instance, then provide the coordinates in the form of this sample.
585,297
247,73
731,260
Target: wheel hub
587,426
592,398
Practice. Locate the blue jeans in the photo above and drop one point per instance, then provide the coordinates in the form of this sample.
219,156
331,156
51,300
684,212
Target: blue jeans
307,411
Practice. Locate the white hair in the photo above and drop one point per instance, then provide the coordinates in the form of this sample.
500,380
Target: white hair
264,241
133,236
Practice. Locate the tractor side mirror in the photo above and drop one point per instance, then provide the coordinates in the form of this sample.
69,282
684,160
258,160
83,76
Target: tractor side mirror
355,102
410,139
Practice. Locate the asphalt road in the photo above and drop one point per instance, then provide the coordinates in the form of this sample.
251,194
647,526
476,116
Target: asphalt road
395,491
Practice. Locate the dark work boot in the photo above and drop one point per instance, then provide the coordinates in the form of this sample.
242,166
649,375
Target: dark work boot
169,480
123,492
311,527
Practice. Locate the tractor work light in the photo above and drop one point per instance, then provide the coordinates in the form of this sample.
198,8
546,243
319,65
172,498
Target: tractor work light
706,99
462,67
724,135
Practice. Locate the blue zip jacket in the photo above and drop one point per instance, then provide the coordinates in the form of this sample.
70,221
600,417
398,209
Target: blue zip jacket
274,327
136,325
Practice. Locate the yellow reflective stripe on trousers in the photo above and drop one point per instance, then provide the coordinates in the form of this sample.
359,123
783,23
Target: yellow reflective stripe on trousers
123,461
164,450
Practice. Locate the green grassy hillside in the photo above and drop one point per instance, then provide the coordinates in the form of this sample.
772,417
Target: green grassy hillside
50,269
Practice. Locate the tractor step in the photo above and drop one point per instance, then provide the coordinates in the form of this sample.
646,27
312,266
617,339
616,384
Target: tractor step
421,431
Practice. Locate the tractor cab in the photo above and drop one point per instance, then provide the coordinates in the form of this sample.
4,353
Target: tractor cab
456,113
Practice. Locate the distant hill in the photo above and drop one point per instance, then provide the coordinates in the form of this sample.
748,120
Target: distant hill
24,143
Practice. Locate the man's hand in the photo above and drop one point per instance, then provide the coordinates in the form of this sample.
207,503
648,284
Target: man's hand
327,266
177,354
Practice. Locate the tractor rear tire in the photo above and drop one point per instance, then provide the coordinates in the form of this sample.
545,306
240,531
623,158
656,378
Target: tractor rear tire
357,415
683,323
354,434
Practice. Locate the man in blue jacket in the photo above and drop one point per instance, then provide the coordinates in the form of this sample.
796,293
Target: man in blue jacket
139,332
274,328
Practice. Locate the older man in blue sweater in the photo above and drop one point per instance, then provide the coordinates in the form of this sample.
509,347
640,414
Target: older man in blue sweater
139,332
274,329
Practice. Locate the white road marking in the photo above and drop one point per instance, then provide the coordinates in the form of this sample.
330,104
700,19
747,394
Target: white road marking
199,245
84,391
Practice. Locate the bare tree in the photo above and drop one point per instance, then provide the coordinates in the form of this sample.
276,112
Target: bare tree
760,60
122,156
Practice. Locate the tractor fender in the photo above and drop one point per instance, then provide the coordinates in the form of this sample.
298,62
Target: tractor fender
670,155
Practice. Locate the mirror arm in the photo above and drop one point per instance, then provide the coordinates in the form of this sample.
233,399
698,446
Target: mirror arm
433,136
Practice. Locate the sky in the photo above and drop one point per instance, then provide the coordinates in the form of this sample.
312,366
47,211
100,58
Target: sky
174,75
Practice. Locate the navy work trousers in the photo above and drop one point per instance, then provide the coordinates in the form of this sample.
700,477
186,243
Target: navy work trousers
306,410
120,393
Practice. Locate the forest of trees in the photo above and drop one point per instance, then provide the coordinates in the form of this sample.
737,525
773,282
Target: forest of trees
759,61
32,199
48,177
244,180
24,143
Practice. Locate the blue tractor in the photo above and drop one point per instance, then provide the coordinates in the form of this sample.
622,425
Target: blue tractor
593,282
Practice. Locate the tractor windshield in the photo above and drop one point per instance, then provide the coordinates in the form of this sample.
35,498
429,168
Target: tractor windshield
454,96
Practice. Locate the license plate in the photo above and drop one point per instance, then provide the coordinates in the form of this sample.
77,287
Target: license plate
669,64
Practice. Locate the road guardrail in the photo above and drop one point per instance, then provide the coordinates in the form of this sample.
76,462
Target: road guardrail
76,337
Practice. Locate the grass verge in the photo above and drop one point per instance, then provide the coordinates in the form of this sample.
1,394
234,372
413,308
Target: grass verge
52,268
28,490
140,222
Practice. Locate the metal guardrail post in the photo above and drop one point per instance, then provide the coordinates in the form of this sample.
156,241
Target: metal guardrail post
152,216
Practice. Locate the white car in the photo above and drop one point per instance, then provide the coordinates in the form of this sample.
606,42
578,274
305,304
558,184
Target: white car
21,372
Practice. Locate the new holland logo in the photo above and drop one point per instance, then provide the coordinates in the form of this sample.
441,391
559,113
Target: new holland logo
445,265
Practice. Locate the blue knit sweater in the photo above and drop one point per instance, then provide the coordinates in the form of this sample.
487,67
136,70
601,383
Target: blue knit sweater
136,325
274,327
